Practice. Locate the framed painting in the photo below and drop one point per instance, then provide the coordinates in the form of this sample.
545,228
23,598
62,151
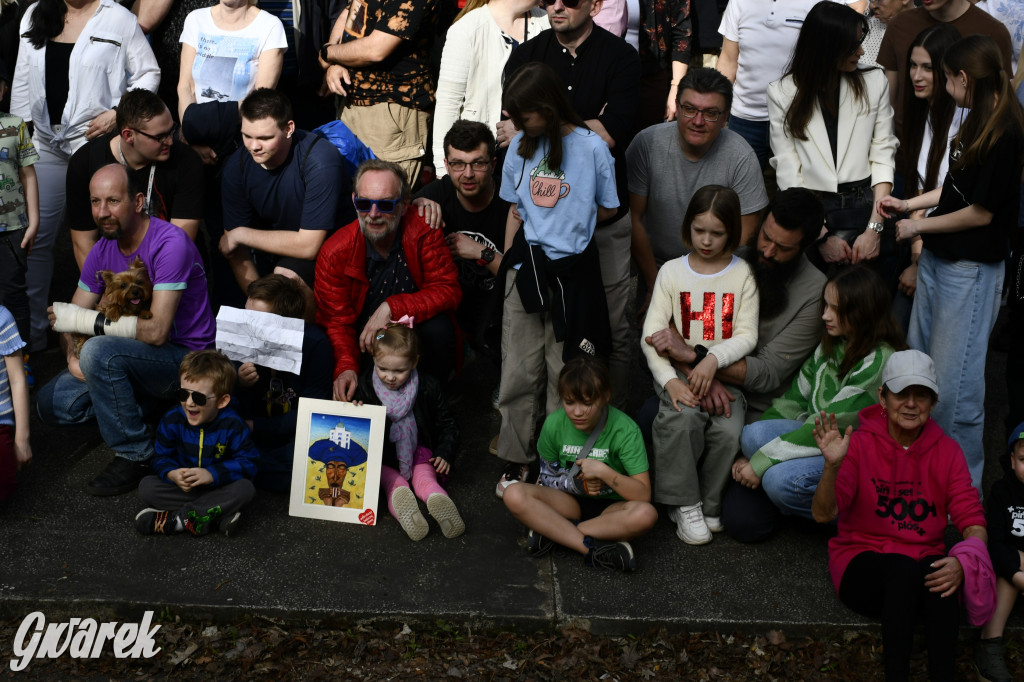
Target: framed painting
336,465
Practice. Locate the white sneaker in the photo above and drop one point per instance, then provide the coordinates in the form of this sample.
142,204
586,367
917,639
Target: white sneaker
714,523
408,514
690,525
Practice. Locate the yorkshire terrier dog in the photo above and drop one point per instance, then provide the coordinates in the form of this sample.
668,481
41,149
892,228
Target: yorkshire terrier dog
129,292
126,293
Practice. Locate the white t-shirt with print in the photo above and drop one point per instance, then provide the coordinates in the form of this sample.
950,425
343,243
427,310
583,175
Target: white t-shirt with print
225,65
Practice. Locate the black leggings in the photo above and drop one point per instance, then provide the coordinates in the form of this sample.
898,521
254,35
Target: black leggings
891,587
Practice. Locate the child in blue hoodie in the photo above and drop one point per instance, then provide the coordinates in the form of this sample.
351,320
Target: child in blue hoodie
205,458
1006,548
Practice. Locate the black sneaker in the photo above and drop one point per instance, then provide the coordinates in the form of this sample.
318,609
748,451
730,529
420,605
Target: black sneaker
120,476
615,555
514,473
229,526
537,544
155,521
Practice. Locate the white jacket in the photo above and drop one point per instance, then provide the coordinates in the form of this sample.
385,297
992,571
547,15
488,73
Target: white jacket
110,57
469,85
865,143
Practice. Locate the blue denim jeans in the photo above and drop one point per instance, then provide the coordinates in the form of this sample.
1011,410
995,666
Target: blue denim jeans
790,485
757,135
758,434
123,377
955,308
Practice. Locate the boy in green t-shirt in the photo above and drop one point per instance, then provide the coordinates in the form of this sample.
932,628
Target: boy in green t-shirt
593,501
19,212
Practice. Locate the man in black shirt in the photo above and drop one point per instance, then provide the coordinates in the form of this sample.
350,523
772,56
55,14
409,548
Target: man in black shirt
169,172
601,73
474,226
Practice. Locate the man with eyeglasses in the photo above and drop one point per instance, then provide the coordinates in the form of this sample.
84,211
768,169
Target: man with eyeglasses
668,162
283,194
386,266
474,226
601,73
145,143
129,365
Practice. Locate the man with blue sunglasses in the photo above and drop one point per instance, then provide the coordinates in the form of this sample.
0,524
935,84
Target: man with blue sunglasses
387,265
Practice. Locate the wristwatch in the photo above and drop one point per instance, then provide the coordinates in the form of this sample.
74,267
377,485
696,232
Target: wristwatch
702,353
323,51
877,227
486,256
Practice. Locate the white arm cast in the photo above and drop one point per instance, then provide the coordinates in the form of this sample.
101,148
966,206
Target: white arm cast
76,319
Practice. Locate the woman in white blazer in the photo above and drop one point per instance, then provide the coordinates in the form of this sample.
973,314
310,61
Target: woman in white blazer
105,54
477,46
832,132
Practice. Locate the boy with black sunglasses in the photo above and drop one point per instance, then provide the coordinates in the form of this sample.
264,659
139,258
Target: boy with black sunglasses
205,458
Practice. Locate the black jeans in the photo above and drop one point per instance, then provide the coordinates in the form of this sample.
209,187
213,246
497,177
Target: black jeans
891,587
13,265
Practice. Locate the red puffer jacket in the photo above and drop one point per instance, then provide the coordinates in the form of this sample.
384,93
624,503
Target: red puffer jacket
342,285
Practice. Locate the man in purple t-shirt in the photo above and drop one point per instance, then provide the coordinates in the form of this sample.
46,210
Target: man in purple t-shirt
132,361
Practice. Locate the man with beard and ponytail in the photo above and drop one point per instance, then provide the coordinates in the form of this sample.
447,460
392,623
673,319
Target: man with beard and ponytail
131,362
385,266
789,328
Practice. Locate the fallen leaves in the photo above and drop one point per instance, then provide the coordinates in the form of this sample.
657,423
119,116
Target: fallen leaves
264,648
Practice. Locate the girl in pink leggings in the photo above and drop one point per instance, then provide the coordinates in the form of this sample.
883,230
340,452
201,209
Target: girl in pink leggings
422,437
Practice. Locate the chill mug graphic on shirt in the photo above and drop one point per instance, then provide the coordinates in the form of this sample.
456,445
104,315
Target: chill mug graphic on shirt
547,186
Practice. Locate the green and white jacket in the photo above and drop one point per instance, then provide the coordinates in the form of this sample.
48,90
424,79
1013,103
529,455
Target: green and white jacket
818,387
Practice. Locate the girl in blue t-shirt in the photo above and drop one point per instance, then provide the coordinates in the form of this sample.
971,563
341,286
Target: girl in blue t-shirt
560,177
595,489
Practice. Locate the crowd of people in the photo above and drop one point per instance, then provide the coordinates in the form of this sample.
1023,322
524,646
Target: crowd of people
820,228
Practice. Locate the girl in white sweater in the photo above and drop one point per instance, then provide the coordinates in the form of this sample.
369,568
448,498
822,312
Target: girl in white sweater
703,316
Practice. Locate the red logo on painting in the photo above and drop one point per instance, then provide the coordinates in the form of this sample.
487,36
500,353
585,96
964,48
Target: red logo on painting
367,517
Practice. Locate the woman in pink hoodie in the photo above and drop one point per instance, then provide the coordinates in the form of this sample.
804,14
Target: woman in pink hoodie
893,484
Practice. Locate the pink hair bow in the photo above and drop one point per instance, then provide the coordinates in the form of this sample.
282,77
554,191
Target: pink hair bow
404,320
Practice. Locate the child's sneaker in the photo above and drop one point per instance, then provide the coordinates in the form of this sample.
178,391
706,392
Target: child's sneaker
514,473
156,521
407,513
990,660
690,525
537,544
29,376
229,526
607,554
202,523
714,524
447,516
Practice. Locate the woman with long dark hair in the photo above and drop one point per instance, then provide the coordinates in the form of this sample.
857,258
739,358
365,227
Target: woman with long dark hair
841,376
831,131
930,120
960,272
76,59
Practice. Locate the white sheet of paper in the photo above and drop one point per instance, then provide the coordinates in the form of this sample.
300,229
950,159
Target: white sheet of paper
265,339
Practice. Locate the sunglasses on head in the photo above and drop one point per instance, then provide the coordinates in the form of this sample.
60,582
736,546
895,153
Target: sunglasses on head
569,4
364,205
198,398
